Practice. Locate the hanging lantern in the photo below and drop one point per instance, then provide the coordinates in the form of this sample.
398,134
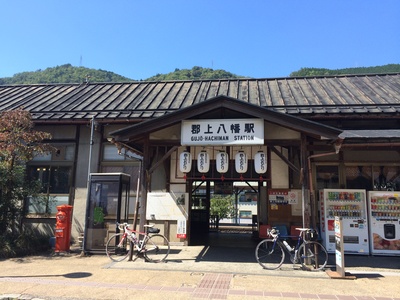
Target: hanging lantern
260,163
185,162
241,163
203,163
222,161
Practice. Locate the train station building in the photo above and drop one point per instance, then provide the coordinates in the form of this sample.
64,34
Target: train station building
269,145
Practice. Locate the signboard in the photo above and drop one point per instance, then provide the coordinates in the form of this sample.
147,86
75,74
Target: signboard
339,251
278,197
181,229
222,132
166,206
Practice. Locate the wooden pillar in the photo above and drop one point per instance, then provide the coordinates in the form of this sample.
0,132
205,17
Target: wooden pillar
304,181
145,183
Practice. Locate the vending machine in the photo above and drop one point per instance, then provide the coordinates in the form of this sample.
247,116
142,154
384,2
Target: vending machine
384,222
351,206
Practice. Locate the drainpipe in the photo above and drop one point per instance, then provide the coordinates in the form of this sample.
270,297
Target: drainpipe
92,128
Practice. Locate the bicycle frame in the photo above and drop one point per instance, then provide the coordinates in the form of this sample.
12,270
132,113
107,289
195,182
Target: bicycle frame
279,239
135,240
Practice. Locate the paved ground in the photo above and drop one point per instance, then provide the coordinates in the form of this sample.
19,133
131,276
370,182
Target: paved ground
195,272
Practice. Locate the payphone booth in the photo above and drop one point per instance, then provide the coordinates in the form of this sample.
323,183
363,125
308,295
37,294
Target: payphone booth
108,203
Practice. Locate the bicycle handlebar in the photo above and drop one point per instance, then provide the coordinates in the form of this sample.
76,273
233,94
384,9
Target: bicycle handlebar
275,233
122,226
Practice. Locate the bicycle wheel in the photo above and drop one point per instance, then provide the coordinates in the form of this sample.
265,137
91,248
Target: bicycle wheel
312,256
156,248
270,254
116,251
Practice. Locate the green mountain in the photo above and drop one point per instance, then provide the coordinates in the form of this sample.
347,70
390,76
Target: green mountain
63,74
194,74
70,74
303,72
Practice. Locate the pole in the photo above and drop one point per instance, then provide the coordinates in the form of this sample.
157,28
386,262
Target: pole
90,149
87,184
137,206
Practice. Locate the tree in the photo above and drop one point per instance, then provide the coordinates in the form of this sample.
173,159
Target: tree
196,73
64,74
303,72
222,207
19,143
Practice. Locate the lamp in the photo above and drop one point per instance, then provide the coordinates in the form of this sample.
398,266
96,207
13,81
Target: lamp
260,163
222,160
203,163
185,162
241,163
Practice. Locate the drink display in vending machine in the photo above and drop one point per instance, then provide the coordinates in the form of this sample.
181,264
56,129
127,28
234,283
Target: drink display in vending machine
351,206
384,222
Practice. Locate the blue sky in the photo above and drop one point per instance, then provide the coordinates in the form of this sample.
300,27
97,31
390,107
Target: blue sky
138,39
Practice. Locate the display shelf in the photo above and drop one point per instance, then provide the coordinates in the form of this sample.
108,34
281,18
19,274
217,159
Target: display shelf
385,206
345,196
353,211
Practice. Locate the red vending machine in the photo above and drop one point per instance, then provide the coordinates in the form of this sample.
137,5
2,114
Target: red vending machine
351,206
384,222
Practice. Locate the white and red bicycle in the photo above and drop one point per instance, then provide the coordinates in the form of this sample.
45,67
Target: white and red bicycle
154,247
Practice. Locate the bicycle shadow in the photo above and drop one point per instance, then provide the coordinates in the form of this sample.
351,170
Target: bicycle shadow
73,275
212,254
217,247
226,254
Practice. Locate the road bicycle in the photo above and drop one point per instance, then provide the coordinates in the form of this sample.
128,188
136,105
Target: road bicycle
270,252
154,247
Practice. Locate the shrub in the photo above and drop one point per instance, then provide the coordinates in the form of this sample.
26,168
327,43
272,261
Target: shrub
29,242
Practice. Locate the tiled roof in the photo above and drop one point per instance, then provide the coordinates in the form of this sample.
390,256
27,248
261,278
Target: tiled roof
361,94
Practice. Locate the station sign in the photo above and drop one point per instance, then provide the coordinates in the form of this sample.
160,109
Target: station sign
222,132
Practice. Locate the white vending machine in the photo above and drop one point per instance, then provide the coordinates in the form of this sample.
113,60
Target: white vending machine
351,206
384,222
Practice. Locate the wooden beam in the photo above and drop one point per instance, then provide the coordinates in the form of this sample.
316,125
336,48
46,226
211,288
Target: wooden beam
159,162
290,164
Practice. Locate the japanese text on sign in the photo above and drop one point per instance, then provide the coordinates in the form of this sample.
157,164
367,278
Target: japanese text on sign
223,132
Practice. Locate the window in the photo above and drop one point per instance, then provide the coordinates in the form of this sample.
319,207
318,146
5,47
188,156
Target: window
64,152
54,171
111,153
56,183
386,178
359,177
327,177
245,214
54,179
378,178
248,197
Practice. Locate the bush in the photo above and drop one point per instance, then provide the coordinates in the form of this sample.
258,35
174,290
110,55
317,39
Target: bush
28,242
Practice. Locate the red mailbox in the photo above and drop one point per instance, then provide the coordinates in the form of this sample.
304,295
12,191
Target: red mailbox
63,228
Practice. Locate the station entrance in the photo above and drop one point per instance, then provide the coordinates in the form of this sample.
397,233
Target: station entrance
223,212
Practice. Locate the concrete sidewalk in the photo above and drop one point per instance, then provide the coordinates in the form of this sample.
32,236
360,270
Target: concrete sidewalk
194,272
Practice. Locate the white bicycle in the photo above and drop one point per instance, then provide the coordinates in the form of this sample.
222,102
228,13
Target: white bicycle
154,247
